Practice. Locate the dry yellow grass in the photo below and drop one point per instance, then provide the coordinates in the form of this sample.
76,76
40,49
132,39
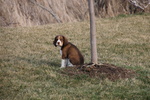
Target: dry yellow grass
29,13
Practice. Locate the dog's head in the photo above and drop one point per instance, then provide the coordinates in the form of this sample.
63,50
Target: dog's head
60,41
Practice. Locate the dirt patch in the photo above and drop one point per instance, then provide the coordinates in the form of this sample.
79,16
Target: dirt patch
101,71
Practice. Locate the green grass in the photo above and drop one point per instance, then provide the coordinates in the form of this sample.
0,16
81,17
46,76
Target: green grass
30,64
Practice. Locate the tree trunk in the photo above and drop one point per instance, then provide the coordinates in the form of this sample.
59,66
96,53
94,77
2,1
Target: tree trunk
92,32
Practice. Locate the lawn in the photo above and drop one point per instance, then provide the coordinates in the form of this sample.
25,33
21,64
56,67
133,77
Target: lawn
30,64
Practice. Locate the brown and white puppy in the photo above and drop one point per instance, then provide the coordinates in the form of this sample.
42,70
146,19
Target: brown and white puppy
70,53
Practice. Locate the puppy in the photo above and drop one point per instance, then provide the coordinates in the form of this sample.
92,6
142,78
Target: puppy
69,52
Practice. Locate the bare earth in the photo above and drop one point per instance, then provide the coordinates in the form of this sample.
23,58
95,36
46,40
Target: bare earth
101,71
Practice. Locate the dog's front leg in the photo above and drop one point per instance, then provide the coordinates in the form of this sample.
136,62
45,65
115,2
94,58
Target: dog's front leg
63,63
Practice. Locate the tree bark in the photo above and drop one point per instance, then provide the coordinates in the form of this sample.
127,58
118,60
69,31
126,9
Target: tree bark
92,32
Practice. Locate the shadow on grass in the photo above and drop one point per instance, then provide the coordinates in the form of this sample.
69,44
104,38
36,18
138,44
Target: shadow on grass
39,62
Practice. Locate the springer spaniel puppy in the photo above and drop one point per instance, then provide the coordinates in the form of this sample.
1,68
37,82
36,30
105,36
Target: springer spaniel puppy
70,53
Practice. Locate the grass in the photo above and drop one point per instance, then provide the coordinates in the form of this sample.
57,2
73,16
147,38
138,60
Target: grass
30,64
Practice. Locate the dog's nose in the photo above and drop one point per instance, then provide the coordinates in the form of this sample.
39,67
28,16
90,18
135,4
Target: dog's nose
58,43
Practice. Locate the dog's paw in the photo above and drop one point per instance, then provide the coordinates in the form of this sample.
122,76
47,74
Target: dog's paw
62,67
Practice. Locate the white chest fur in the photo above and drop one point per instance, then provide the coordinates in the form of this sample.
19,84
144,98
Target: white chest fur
60,52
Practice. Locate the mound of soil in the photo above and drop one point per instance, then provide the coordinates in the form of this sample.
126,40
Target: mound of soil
101,71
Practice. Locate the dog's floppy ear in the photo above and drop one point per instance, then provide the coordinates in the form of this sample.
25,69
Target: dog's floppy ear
65,41
54,42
